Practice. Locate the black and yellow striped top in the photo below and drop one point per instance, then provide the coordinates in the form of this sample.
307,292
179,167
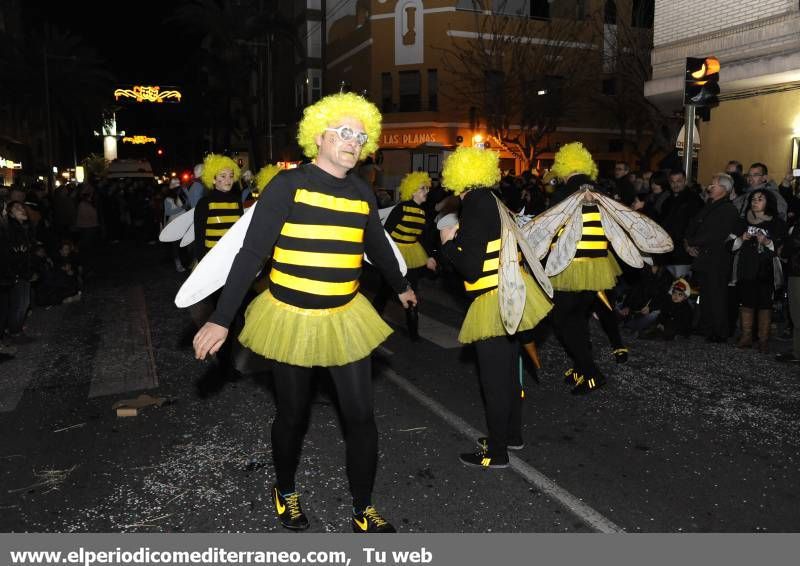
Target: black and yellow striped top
316,227
406,222
593,242
475,251
214,216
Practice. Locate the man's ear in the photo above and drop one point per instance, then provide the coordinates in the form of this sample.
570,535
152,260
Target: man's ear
318,140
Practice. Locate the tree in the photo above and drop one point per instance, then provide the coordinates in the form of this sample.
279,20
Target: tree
235,45
643,127
524,76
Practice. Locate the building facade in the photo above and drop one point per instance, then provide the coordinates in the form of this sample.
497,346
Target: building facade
400,52
758,46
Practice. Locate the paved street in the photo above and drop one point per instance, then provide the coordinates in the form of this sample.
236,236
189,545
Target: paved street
686,436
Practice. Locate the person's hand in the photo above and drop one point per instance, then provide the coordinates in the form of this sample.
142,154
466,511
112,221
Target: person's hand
447,234
431,264
408,298
746,236
762,239
208,340
787,180
645,309
693,251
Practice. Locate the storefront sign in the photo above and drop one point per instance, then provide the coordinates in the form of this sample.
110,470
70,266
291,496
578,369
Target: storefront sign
410,139
8,164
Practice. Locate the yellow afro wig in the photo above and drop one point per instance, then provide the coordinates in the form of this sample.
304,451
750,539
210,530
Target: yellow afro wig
213,164
265,175
471,167
574,158
328,111
413,182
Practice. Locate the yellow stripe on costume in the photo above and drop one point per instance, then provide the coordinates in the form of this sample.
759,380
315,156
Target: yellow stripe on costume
493,246
316,259
413,209
494,263
403,237
589,245
339,204
415,219
482,283
593,231
590,216
222,219
211,243
322,232
216,231
408,230
223,205
312,286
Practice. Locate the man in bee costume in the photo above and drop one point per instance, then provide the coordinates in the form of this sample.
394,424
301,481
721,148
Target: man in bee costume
316,222
483,250
406,226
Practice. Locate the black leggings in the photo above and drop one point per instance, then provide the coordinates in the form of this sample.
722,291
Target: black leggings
497,366
571,311
293,399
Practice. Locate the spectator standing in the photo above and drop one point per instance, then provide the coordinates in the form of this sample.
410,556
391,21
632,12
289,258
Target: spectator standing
706,239
758,178
677,211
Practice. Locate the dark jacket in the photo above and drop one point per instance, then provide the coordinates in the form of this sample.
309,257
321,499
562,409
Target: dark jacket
754,261
676,212
709,231
791,252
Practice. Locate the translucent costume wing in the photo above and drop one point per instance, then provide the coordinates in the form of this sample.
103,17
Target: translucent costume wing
540,231
564,250
646,234
622,244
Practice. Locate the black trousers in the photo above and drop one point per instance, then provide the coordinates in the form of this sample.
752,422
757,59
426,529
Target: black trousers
499,378
385,292
570,315
608,320
713,303
293,391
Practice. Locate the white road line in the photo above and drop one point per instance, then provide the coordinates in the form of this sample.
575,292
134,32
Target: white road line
574,505
124,360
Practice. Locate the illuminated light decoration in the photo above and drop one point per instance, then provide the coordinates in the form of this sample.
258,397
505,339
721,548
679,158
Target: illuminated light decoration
8,164
287,164
148,94
137,140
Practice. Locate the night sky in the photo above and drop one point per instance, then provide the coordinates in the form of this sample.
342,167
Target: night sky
140,45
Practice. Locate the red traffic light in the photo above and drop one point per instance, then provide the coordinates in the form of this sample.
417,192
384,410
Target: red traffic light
160,151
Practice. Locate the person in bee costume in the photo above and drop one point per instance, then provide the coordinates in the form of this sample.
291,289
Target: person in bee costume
217,212
575,234
406,225
316,222
483,248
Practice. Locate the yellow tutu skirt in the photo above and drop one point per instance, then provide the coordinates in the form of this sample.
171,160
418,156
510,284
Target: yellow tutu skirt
483,317
312,337
589,274
414,254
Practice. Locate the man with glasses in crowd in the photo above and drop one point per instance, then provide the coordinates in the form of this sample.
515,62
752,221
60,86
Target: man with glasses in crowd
758,178
316,222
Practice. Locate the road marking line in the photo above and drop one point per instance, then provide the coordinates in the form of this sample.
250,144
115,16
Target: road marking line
574,505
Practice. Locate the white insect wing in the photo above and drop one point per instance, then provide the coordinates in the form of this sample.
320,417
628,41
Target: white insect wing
620,241
511,287
646,234
177,227
188,238
542,229
401,262
564,251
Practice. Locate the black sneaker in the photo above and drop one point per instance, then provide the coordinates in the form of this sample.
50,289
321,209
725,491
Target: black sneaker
571,376
620,355
788,357
289,511
483,442
370,521
481,459
585,384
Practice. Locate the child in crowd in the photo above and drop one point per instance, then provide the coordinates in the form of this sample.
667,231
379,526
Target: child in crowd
675,315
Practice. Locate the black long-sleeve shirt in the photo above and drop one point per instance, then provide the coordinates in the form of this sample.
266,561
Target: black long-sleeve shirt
316,227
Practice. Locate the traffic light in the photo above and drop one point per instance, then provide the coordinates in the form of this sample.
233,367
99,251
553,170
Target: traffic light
701,82
160,152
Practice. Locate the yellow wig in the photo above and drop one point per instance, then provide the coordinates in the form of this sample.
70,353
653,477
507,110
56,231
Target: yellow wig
471,167
574,158
412,182
213,164
265,175
328,111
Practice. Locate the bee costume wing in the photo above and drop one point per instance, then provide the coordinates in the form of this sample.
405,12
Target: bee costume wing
642,232
540,231
562,254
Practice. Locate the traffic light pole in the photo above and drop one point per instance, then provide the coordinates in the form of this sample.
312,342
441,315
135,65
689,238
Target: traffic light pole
688,140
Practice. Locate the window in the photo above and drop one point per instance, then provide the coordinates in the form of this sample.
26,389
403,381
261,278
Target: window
386,92
611,12
410,99
540,9
642,13
316,89
433,90
609,87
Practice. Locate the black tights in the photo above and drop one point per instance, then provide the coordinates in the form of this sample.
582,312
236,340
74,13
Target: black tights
497,366
293,399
